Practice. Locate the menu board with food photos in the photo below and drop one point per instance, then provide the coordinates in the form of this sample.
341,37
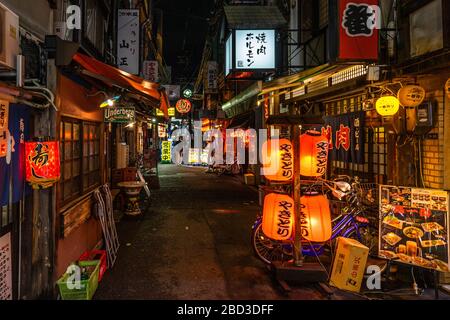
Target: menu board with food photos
414,226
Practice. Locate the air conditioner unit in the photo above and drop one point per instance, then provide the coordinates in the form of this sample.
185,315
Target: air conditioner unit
9,38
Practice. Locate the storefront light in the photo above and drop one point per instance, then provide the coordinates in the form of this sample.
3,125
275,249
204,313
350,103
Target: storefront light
109,102
387,106
42,163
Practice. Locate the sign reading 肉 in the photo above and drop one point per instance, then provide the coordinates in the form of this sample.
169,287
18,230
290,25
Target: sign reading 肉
5,268
414,226
119,114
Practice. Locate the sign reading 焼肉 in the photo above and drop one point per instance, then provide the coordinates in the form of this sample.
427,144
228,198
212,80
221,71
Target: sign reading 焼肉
414,226
255,49
119,114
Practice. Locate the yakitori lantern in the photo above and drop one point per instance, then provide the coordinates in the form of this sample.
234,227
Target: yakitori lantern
315,218
278,216
411,95
279,163
387,106
313,154
42,163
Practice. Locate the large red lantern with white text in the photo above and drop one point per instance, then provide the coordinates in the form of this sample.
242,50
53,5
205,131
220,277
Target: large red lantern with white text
315,218
313,154
42,163
279,163
278,216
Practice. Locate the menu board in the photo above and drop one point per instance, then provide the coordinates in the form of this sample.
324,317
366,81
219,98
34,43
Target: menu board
5,268
414,226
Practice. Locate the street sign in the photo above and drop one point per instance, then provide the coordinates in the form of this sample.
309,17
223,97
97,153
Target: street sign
120,114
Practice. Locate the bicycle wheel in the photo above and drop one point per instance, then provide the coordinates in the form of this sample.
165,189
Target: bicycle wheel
268,250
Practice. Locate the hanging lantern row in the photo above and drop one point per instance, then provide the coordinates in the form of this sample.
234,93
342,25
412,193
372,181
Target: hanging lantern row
42,163
278,217
313,157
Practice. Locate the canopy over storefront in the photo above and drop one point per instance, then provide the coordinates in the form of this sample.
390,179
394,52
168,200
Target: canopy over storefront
112,76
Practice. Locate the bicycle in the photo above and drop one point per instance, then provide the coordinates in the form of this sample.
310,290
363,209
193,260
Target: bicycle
350,223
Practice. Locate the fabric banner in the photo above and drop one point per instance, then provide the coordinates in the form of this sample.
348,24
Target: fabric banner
346,136
12,161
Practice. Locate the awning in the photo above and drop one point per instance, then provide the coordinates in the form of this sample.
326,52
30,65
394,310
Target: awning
254,17
114,76
243,101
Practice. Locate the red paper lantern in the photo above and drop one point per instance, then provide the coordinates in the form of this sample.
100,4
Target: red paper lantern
278,216
313,154
42,163
315,218
282,160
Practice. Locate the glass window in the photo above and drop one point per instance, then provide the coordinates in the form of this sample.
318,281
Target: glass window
80,148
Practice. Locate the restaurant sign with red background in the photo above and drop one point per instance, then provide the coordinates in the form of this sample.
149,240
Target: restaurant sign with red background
358,30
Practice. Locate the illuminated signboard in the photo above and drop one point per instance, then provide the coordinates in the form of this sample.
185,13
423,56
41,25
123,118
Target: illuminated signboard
255,49
166,152
183,106
228,55
171,112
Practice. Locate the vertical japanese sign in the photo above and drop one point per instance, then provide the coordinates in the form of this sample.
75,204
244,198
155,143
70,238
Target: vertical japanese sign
211,77
346,136
4,111
255,49
358,29
166,152
5,268
128,40
12,154
150,70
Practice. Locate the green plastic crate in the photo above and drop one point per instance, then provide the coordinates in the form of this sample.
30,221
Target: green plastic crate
87,287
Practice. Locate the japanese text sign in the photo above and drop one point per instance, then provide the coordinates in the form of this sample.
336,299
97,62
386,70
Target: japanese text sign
166,151
346,136
358,29
150,70
255,49
4,111
128,40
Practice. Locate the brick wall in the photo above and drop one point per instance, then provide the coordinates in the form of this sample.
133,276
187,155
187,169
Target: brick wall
433,149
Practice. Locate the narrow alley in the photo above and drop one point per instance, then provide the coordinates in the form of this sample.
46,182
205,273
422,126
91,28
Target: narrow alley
193,242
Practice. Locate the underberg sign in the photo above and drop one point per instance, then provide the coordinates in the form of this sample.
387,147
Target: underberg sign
119,114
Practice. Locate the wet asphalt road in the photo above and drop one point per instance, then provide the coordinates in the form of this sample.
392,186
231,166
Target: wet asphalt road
193,242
